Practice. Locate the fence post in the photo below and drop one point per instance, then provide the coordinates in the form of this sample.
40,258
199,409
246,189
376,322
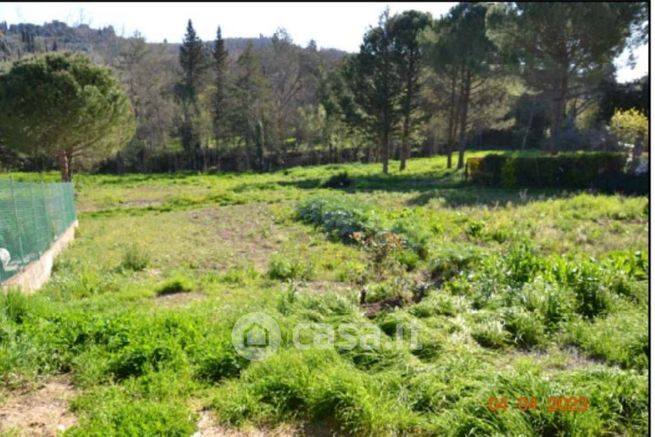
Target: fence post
35,217
48,214
20,240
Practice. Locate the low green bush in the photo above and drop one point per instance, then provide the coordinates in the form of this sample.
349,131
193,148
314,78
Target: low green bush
285,268
564,170
339,180
354,222
175,284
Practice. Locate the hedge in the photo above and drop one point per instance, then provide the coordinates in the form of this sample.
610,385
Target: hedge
601,170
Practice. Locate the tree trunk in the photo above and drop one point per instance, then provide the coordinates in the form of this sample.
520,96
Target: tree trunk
204,159
385,151
404,147
466,90
529,128
64,166
559,114
451,122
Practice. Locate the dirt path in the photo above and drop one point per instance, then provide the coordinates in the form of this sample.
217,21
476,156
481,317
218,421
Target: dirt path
40,412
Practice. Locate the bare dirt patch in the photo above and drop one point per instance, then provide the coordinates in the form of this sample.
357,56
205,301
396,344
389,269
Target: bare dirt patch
208,427
40,412
179,299
242,235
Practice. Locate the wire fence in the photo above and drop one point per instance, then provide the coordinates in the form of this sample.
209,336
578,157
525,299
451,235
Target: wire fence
32,216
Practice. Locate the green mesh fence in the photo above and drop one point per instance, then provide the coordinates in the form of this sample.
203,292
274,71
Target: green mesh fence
32,216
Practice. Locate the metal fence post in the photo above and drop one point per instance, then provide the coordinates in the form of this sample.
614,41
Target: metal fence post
20,240
48,214
35,217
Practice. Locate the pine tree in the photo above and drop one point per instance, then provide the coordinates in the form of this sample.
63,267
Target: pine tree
376,85
220,64
193,63
405,29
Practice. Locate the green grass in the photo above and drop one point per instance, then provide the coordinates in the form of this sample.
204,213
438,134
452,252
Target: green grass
525,293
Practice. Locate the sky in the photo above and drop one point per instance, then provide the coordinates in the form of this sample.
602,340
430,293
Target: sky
331,25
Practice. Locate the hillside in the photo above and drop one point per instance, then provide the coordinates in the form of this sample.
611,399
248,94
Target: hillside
17,40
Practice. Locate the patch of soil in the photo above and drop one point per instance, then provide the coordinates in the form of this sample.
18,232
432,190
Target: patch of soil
139,203
41,412
242,234
179,299
208,427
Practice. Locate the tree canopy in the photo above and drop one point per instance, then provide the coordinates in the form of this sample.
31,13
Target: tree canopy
563,49
63,105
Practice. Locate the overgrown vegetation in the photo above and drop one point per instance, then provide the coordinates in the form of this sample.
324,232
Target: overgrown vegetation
515,293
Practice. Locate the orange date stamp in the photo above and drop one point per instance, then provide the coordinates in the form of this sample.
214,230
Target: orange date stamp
553,404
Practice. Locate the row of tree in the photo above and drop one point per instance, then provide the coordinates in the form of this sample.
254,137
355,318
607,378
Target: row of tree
480,56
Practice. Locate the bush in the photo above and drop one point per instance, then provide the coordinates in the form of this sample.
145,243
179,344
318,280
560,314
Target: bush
339,217
175,284
339,180
354,222
284,268
625,183
565,170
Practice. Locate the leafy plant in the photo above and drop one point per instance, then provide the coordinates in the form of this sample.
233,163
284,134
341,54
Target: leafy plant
175,284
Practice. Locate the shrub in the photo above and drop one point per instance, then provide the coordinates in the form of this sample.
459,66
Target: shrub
624,183
176,284
339,217
628,125
565,170
339,180
354,222
135,258
284,268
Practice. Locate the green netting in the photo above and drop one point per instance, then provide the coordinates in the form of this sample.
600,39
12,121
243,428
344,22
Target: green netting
32,216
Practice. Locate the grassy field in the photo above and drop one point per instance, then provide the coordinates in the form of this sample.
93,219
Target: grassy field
514,294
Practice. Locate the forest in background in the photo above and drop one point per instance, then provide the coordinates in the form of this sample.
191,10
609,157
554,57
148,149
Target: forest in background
419,86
